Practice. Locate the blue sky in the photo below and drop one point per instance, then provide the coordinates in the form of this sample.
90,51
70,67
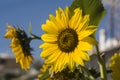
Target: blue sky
22,12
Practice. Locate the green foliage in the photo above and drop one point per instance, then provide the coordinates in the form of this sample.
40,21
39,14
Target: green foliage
93,7
45,75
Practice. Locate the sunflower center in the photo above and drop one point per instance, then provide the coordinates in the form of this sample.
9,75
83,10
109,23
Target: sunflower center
67,40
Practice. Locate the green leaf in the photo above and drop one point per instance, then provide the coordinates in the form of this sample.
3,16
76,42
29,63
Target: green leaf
93,7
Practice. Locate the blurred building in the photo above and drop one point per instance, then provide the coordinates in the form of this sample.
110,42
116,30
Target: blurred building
108,46
10,70
105,43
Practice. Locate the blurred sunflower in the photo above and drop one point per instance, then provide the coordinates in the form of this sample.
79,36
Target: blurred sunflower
20,46
115,66
67,39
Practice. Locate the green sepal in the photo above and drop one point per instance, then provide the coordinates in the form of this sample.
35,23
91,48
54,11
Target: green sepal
30,28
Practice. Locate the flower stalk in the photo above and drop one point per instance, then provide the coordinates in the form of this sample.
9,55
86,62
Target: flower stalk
102,66
34,37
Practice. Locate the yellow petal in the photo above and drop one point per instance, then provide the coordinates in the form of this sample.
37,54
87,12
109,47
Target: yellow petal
64,19
90,40
49,38
90,30
45,53
47,45
30,58
49,27
10,33
83,24
61,19
67,13
53,57
16,49
64,61
83,54
15,41
84,46
21,64
19,57
19,53
77,58
71,63
76,18
54,21
58,63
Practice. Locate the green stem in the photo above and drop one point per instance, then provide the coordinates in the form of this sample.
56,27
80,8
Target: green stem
102,66
35,37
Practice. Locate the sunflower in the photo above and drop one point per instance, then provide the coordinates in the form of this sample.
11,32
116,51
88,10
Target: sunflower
115,66
67,39
20,46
